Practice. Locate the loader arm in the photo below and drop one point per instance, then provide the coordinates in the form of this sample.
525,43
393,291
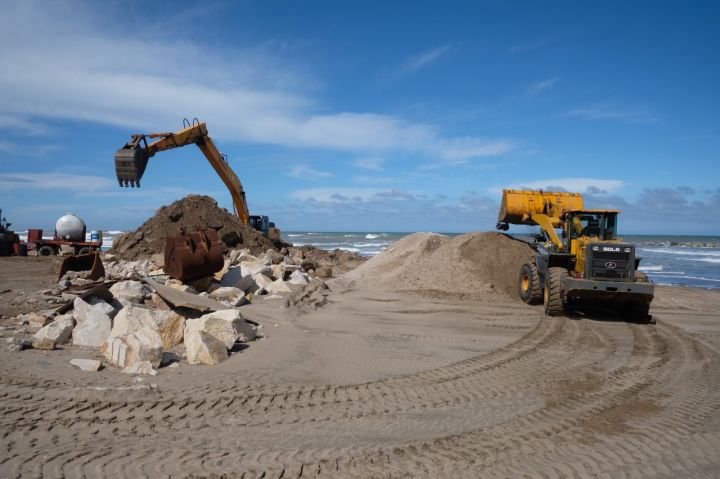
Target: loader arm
131,160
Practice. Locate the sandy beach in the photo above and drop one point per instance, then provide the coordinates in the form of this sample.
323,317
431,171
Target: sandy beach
381,383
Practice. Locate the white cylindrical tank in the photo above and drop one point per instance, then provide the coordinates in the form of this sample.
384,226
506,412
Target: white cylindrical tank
70,228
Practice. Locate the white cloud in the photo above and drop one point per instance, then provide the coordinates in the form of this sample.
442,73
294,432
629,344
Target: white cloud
65,66
460,150
579,185
373,164
424,59
543,85
336,194
55,181
306,173
622,112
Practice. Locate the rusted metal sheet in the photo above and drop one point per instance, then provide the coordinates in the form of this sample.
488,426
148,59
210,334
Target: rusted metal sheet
193,255
83,262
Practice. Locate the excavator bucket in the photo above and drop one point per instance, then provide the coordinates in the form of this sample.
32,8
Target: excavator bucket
194,255
83,262
130,163
518,206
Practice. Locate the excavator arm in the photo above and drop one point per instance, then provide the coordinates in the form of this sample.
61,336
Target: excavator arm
131,160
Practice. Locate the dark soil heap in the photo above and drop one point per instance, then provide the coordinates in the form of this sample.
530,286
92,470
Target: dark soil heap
189,214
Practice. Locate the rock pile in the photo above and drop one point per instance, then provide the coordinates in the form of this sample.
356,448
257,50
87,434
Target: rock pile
134,322
470,266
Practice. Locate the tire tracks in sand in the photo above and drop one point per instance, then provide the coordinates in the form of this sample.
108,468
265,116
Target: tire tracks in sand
568,399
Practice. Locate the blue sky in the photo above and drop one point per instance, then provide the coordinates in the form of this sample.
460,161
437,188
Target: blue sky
380,116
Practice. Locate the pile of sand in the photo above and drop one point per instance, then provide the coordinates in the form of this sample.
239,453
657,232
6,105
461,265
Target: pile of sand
189,214
471,266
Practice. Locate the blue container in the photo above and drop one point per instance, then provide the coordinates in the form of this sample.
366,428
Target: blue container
96,236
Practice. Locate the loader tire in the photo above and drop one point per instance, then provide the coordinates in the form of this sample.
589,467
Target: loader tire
85,250
46,251
637,312
553,291
529,284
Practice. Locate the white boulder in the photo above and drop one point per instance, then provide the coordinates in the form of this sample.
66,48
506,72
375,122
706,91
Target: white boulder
128,349
298,277
54,334
167,323
133,291
94,329
204,348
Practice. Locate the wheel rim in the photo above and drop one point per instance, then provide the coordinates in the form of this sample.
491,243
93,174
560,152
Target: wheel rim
525,283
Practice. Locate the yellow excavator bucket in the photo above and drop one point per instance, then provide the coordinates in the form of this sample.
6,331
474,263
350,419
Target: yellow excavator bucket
518,206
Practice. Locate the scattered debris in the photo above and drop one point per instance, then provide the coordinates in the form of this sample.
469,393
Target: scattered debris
89,365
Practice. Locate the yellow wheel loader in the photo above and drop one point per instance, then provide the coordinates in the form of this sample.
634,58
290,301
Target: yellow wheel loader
585,265
131,161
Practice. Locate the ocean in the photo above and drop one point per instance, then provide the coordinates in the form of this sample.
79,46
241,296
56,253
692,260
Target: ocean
669,260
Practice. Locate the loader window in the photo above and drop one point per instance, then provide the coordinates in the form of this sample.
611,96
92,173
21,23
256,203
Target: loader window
602,225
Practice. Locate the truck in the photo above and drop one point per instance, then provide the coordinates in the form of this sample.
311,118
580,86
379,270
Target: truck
69,237
132,159
586,265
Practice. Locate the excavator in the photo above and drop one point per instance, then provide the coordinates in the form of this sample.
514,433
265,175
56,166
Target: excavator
586,265
131,161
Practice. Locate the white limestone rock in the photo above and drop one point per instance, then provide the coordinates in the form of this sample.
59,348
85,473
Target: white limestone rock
94,329
298,277
133,291
54,334
225,325
226,293
167,323
89,365
128,349
204,348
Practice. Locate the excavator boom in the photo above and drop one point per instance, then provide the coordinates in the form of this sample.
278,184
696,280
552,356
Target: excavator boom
131,160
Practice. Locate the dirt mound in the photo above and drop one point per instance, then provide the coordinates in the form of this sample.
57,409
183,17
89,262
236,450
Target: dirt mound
189,214
470,266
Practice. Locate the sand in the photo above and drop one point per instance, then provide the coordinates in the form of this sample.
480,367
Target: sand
469,266
385,380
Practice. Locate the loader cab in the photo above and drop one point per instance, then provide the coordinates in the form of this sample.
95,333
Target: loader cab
592,224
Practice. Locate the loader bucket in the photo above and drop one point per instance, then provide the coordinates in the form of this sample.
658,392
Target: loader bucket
130,163
194,255
83,262
518,206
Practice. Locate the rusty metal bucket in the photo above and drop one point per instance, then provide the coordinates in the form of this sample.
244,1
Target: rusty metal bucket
83,262
193,255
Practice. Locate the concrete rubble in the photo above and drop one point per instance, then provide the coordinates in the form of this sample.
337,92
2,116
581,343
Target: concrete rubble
89,365
134,316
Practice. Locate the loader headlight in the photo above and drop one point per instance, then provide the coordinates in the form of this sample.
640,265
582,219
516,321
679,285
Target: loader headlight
596,248
628,250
